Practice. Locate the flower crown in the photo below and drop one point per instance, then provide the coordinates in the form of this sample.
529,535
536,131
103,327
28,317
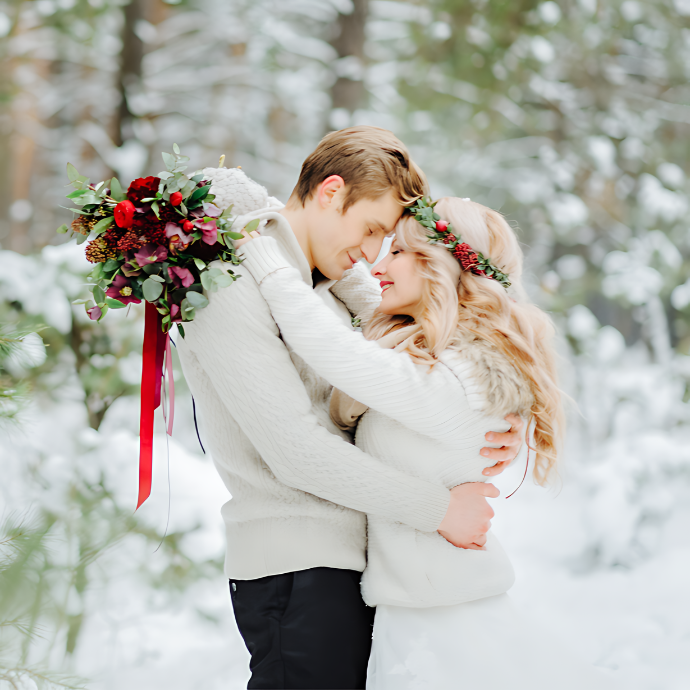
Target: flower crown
442,233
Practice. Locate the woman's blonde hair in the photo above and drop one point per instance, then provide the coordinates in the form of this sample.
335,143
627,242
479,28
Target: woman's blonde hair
458,303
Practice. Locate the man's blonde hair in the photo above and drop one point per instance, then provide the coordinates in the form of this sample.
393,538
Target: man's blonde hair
371,161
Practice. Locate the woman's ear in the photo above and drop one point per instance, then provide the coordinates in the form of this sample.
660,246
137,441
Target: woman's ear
330,191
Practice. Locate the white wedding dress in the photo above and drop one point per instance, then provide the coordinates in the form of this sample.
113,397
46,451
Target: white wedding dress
478,645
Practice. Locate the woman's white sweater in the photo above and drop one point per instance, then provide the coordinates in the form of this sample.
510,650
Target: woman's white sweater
426,422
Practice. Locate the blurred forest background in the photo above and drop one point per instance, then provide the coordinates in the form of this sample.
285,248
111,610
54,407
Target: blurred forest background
571,117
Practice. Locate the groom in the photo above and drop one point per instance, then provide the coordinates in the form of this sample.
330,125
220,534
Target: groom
296,525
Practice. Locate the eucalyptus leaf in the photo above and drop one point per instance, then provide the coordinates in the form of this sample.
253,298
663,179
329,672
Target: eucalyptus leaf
176,149
152,290
169,161
224,280
158,279
252,225
98,295
104,311
116,190
114,303
80,301
196,299
77,193
200,264
208,282
215,272
62,229
103,225
111,265
198,178
165,175
154,208
234,235
72,172
81,239
165,319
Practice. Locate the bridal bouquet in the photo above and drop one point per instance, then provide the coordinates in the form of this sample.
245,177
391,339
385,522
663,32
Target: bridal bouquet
153,242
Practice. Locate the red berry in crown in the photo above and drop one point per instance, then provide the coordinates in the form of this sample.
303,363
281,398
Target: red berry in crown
464,254
176,198
442,226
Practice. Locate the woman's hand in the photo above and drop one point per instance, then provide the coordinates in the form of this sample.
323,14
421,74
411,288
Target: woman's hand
511,442
246,238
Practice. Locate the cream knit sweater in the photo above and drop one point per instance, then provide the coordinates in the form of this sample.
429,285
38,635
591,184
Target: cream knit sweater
427,423
299,487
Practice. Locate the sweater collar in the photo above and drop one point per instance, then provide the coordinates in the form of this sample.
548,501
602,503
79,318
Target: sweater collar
278,227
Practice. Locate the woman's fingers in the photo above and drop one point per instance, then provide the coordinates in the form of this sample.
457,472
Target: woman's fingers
496,469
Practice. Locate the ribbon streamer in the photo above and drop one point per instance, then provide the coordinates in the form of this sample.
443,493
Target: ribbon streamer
156,350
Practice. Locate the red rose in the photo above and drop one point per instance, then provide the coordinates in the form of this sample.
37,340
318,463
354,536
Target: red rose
124,214
176,198
442,226
188,226
143,188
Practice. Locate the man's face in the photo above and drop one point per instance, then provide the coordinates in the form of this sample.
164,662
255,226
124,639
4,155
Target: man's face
338,240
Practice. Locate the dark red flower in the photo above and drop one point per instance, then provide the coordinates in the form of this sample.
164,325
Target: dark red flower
181,277
124,214
463,253
143,188
121,289
442,226
176,198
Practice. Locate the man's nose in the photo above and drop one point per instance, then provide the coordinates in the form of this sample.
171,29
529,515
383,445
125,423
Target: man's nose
370,249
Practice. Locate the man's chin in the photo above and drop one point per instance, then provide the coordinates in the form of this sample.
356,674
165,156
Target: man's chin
332,272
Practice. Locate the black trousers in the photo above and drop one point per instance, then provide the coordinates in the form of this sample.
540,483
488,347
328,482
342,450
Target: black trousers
308,629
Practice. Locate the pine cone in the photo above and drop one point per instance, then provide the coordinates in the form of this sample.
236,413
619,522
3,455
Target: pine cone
84,224
98,251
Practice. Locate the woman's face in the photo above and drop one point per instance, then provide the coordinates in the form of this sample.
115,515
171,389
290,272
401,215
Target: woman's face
401,284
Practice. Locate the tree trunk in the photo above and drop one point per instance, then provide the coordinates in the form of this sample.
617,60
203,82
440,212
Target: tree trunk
349,92
130,70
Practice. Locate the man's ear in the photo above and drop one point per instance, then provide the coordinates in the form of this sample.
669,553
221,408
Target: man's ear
330,191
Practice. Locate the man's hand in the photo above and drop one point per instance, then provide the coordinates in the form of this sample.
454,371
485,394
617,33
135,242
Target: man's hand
510,442
469,515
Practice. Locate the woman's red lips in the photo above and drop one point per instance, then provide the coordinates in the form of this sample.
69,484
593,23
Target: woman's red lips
385,283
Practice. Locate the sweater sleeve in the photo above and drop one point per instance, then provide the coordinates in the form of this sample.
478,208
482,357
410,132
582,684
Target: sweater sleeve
431,402
236,341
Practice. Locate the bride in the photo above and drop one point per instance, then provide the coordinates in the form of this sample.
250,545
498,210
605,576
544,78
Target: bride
458,347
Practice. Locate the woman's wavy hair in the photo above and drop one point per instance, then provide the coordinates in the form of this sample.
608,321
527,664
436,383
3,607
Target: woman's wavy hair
458,302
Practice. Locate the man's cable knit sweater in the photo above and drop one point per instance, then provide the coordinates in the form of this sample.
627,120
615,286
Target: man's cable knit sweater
299,487
427,422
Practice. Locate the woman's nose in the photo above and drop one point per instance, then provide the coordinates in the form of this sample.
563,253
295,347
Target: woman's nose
379,269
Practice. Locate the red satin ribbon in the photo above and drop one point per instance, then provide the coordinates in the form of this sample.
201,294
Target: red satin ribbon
156,345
